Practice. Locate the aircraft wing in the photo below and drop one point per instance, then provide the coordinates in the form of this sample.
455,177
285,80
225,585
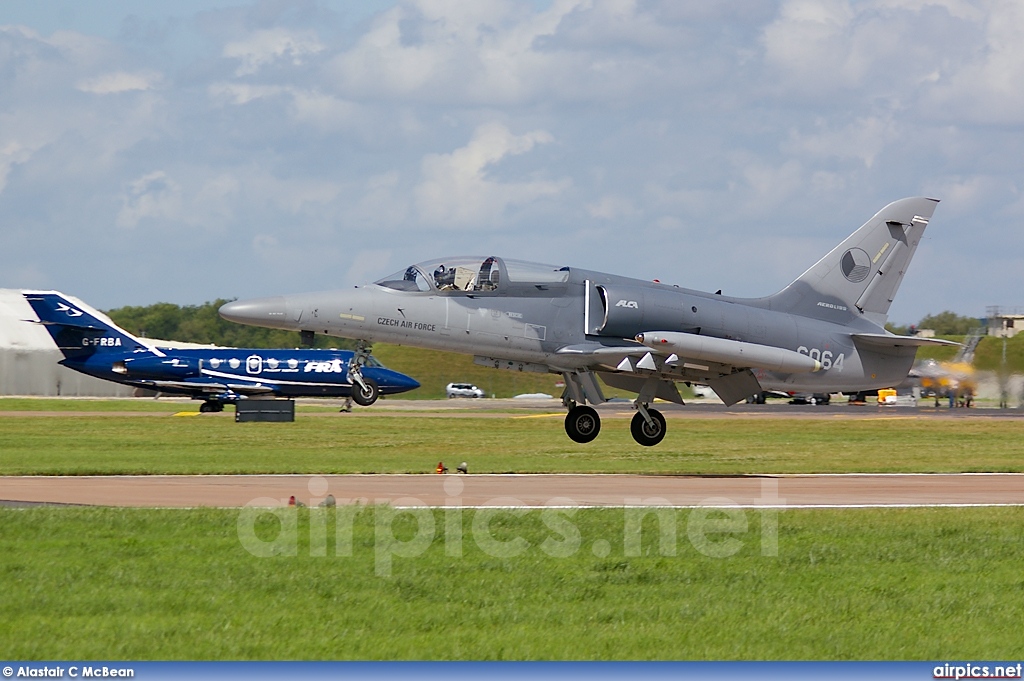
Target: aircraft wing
209,388
631,367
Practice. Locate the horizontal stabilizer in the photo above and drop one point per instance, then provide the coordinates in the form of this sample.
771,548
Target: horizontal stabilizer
885,340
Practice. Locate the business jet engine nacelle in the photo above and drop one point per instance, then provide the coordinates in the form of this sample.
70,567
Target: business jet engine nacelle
158,367
725,351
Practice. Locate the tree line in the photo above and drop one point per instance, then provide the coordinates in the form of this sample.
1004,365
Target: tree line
944,324
202,324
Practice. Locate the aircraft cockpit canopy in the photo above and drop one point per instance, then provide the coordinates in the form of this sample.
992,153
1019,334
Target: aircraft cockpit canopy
465,274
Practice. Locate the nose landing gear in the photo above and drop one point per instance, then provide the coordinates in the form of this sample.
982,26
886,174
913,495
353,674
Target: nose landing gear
364,390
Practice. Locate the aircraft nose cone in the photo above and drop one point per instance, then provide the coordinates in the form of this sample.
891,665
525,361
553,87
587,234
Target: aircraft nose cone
403,383
258,311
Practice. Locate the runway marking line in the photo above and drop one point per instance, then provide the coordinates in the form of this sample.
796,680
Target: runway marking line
538,416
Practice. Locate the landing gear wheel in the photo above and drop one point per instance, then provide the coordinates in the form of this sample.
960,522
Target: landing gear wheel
366,394
211,407
647,434
582,424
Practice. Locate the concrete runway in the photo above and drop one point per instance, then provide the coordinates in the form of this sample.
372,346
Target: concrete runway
531,491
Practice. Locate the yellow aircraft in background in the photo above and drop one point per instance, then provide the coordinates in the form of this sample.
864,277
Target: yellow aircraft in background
956,376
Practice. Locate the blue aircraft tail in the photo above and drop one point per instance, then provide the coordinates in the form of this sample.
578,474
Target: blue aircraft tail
78,330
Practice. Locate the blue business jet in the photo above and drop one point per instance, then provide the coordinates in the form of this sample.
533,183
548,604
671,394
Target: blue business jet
215,375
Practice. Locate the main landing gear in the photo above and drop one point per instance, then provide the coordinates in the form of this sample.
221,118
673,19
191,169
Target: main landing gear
647,426
582,423
213,403
364,390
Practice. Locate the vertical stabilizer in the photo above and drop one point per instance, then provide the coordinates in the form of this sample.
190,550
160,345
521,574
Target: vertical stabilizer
860,277
78,330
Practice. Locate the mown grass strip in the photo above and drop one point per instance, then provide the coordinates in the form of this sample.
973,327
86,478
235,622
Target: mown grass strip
70,445
864,584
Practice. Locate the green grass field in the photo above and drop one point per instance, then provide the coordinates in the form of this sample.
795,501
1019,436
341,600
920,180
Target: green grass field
396,442
103,583
861,584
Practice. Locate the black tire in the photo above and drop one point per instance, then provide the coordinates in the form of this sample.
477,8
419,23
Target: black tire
582,424
205,408
368,396
648,435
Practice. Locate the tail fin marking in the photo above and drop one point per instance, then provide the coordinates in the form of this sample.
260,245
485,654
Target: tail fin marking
78,330
860,276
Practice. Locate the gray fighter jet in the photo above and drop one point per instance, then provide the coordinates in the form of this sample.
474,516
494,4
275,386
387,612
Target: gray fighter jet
823,332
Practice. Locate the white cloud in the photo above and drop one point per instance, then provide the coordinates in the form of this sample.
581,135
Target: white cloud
457,190
266,247
368,265
612,208
119,81
384,203
265,47
152,196
322,110
810,42
863,139
312,107
243,93
498,52
11,154
984,86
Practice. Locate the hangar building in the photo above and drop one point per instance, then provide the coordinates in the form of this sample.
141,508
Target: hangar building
28,358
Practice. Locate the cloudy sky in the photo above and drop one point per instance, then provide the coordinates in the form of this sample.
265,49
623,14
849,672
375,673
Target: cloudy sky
154,151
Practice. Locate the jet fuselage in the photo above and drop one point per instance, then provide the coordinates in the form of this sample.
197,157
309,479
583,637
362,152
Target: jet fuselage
533,323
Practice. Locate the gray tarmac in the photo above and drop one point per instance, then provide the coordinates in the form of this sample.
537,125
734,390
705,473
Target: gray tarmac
530,491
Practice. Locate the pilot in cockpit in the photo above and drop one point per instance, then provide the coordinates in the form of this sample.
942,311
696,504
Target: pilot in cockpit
410,274
444,279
